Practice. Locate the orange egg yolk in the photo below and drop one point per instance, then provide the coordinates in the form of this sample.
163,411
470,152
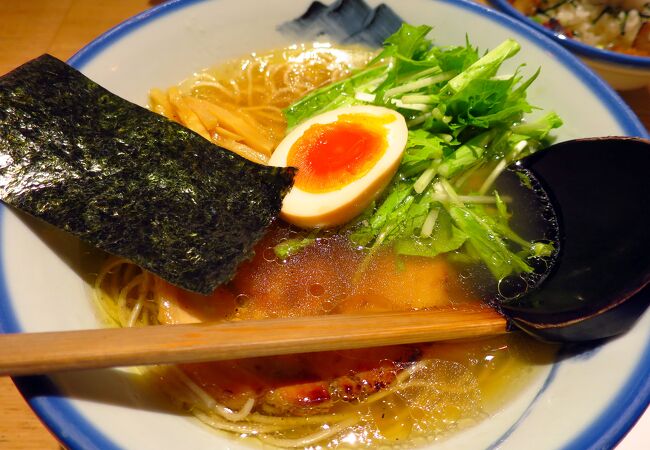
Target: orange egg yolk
332,155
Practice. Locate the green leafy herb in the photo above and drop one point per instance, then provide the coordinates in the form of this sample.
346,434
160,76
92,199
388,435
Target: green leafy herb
463,118
445,237
490,246
290,247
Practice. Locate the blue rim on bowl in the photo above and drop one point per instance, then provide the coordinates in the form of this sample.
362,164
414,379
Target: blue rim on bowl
580,48
77,432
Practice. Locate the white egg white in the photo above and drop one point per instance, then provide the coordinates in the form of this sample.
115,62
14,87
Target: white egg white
328,209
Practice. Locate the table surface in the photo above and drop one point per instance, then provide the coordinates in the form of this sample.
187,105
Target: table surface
61,27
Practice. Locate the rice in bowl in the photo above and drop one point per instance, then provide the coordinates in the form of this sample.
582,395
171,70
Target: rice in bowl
616,25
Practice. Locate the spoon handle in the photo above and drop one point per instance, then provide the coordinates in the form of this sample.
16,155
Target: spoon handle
45,352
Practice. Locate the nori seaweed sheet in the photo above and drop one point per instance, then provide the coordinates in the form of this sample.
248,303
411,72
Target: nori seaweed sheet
129,181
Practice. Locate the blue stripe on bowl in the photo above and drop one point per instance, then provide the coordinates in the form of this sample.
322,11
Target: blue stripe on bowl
504,437
589,51
71,428
622,413
76,432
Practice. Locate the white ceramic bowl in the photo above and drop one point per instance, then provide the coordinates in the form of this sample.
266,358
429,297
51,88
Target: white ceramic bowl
622,71
585,400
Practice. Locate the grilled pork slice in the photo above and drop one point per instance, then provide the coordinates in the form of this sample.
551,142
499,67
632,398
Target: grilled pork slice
302,385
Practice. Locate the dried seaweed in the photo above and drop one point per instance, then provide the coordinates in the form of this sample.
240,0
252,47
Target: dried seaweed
129,181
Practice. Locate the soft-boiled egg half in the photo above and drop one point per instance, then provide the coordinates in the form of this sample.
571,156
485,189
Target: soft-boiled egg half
345,158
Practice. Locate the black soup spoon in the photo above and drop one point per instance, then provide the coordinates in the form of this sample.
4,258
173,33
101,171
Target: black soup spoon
599,189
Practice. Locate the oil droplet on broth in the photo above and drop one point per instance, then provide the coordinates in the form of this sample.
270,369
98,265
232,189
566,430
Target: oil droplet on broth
269,255
241,300
316,290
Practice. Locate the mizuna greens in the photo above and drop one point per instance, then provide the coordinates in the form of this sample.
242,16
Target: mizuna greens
463,119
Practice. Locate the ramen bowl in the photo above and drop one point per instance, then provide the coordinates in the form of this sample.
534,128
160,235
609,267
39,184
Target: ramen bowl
588,398
620,70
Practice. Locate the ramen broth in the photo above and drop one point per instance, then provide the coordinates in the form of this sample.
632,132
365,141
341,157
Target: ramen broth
451,385
396,395
367,397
